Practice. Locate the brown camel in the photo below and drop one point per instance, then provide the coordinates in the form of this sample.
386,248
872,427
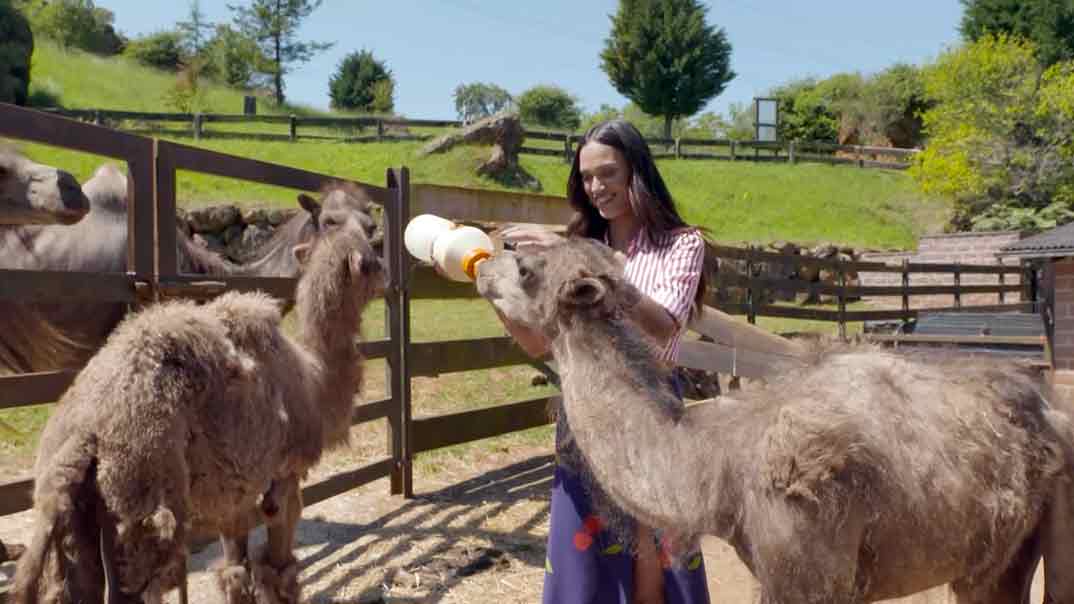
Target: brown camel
190,416
31,193
859,476
57,335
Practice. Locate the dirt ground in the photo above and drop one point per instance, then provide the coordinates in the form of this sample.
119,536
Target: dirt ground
474,533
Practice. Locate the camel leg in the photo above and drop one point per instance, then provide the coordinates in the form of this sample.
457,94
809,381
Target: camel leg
232,573
825,562
1057,541
276,573
1012,587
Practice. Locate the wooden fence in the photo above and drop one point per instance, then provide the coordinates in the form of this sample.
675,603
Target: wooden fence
153,275
298,127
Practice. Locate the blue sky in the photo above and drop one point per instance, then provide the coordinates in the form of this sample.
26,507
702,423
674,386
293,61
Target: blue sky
432,46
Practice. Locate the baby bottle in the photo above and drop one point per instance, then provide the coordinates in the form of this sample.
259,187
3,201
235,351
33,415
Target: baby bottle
454,249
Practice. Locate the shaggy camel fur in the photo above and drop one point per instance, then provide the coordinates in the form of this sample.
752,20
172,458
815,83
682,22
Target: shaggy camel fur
192,415
861,476
31,193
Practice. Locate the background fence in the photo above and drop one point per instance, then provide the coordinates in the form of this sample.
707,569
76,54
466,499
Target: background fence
153,275
377,129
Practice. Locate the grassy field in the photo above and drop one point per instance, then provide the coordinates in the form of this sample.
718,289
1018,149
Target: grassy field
740,202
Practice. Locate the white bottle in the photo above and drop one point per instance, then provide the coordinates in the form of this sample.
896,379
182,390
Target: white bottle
454,249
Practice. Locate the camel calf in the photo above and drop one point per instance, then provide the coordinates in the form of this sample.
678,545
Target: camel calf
860,475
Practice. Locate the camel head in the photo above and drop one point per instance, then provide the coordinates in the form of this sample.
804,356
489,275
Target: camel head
343,253
31,193
340,202
543,290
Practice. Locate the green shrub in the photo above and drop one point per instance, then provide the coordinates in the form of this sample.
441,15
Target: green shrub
549,107
162,50
362,83
16,49
76,24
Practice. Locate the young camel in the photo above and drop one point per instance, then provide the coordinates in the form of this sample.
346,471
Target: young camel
862,475
193,415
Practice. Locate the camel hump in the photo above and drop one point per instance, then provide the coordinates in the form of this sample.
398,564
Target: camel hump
107,188
250,318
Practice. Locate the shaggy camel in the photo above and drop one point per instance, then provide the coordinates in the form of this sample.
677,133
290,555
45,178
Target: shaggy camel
57,335
192,415
858,476
31,193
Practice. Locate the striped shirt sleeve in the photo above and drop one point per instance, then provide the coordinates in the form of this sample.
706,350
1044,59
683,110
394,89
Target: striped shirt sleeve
677,280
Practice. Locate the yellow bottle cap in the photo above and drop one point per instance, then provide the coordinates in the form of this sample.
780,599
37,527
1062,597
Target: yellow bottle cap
470,260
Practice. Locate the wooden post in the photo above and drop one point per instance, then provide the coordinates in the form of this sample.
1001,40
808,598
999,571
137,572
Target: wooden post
842,300
792,155
1002,282
568,151
197,126
97,117
751,306
397,299
733,146
678,148
958,284
861,156
293,127
905,290
380,130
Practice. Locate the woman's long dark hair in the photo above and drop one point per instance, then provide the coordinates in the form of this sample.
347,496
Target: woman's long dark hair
649,196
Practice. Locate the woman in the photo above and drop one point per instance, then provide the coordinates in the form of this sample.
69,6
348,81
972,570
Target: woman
619,198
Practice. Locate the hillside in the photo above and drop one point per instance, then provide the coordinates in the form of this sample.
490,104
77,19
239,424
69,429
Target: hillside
737,202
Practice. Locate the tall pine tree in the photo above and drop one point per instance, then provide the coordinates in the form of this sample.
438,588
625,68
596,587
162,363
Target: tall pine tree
662,55
274,25
1047,23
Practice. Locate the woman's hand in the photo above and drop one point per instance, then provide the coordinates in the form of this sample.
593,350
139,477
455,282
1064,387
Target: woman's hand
528,237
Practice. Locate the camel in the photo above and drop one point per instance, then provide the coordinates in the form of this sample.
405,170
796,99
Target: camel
32,193
195,415
58,335
853,476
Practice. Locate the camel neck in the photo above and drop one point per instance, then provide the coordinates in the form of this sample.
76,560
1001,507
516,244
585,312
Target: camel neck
628,425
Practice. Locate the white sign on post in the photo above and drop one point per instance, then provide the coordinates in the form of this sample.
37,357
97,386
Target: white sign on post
766,119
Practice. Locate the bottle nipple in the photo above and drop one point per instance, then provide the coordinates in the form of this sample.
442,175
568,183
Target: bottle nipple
472,259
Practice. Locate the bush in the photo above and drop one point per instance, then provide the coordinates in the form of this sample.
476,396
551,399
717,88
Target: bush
362,83
549,107
231,57
805,113
480,100
16,49
1001,135
162,50
76,24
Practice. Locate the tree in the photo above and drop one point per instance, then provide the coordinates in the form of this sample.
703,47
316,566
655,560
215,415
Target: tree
479,100
194,29
232,57
274,24
549,106
362,83
1001,135
161,50
663,56
16,49
1049,24
75,24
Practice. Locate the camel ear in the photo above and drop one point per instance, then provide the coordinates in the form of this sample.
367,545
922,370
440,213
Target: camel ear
583,292
302,253
312,206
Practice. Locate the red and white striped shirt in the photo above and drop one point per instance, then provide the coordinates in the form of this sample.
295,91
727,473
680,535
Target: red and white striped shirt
667,268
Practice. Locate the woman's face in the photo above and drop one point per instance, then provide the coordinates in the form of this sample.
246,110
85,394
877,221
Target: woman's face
606,177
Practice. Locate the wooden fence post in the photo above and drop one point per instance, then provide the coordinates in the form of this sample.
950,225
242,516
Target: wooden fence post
958,284
842,299
397,317
197,126
380,130
906,290
733,145
292,123
751,294
678,148
1002,282
568,151
792,155
861,156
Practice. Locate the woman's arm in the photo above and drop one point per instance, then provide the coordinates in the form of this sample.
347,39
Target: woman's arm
530,341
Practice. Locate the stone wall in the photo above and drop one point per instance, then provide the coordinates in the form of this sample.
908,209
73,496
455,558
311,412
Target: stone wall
231,231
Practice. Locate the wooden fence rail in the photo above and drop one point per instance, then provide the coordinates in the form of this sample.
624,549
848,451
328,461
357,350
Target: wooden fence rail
809,151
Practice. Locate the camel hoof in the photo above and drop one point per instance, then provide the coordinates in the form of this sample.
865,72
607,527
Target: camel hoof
274,586
236,584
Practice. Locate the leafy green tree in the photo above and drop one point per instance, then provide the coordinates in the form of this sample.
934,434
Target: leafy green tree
232,57
16,50
549,106
362,83
274,24
480,100
75,24
162,50
1049,24
195,30
1001,135
662,55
